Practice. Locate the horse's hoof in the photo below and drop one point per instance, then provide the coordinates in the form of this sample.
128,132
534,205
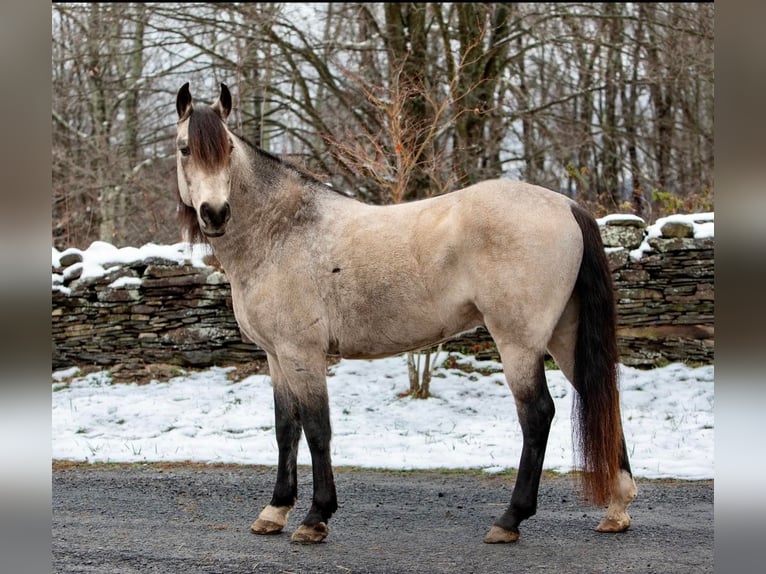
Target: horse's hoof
262,526
498,535
271,520
614,524
310,534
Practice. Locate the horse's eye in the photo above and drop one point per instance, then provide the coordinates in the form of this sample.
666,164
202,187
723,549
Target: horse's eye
185,151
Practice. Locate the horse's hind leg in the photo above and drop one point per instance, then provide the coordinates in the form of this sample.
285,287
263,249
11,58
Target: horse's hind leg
525,373
273,517
623,490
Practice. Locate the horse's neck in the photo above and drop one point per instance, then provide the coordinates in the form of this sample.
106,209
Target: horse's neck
269,202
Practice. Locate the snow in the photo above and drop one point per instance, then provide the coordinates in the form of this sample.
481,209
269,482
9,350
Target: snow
618,217
101,257
702,224
123,282
470,422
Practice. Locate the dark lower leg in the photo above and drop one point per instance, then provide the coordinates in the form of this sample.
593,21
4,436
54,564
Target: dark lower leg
624,461
535,416
288,434
316,426
273,517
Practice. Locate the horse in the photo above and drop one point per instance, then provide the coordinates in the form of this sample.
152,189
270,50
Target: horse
316,273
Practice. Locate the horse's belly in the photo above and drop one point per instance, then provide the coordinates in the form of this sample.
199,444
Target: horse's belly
378,349
402,331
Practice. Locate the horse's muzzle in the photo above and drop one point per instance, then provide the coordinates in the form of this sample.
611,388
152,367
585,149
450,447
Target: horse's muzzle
213,219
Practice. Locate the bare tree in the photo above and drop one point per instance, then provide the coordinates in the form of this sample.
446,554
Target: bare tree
105,147
608,103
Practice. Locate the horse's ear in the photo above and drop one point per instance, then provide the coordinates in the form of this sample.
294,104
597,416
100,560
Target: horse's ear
223,105
183,101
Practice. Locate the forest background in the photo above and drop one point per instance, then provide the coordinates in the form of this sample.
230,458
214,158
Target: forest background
609,103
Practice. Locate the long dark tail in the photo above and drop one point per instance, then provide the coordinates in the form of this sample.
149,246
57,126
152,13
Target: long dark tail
598,427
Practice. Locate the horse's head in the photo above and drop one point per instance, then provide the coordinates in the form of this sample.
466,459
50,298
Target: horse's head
203,157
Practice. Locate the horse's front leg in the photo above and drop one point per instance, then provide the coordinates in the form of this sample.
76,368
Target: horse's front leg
273,517
305,373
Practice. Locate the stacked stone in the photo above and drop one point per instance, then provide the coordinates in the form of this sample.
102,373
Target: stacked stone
665,298
151,312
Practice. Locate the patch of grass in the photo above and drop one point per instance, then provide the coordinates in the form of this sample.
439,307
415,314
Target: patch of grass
65,465
104,378
242,371
661,362
550,364
452,362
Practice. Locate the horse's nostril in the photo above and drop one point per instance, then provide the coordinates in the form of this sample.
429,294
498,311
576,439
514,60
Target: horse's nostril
204,212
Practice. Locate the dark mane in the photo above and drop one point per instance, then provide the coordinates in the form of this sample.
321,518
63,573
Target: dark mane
284,163
307,177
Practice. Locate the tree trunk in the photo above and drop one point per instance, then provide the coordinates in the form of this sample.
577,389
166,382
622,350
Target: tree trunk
610,184
630,99
661,91
420,368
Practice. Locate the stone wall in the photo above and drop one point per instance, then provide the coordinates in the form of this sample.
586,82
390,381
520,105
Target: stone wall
156,312
665,298
161,311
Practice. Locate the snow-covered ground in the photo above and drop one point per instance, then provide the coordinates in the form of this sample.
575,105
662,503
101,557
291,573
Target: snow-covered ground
470,422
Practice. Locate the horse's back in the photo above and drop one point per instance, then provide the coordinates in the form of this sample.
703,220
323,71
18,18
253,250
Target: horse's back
516,222
524,204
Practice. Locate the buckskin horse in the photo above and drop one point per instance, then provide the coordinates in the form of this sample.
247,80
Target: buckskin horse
315,273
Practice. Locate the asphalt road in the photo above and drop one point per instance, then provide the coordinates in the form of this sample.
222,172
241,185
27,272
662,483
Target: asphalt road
188,519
